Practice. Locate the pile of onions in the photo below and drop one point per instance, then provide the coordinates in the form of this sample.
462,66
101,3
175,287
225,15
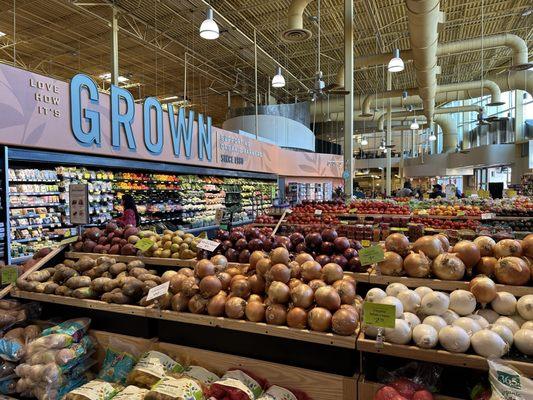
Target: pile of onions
431,246
507,247
444,241
392,264
468,252
417,265
448,267
485,245
397,243
512,270
486,266
527,245
483,288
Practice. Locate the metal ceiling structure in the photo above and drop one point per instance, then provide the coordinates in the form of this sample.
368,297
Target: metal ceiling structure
161,53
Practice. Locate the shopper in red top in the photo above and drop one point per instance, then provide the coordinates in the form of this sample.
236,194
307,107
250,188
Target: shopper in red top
130,215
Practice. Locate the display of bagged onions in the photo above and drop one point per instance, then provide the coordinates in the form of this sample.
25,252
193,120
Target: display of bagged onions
432,257
459,321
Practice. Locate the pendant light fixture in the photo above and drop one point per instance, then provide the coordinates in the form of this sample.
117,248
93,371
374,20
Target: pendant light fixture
396,63
209,28
414,125
278,81
382,145
364,141
432,137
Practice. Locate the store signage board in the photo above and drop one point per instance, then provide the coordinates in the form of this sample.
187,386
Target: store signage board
78,203
371,255
206,244
144,244
9,275
158,291
49,114
380,315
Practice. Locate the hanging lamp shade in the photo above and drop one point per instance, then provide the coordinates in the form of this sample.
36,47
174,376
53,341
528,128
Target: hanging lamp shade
414,125
432,137
209,28
364,142
395,63
278,81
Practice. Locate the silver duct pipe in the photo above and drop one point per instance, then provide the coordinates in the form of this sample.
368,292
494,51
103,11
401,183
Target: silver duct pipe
295,31
424,18
514,80
367,102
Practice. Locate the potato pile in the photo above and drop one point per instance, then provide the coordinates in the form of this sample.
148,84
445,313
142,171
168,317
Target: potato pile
102,278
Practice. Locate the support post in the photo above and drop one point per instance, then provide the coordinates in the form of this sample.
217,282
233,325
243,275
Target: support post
348,98
519,115
114,47
4,203
402,158
256,95
388,179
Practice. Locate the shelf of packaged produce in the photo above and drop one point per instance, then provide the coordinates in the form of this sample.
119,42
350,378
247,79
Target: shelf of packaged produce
15,227
21,259
36,239
33,181
35,194
438,284
195,319
34,205
33,215
435,355
155,221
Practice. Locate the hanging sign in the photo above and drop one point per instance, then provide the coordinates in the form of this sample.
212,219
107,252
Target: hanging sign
371,255
381,315
78,200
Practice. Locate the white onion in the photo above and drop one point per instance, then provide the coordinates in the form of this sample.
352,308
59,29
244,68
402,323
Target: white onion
374,295
504,303
394,288
468,324
524,306
523,340
480,320
454,339
490,315
400,334
425,336
509,323
462,302
435,321
394,302
411,319
371,330
487,343
449,316
423,290
410,300
527,325
518,319
505,333
435,303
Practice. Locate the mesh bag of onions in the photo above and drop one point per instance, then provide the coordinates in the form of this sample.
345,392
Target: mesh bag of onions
237,384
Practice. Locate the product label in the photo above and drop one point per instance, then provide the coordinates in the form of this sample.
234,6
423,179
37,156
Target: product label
156,364
95,390
371,255
158,291
230,382
382,315
247,380
144,244
201,374
206,244
131,393
182,389
277,393
9,275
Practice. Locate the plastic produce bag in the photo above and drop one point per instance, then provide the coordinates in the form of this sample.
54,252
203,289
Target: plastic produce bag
131,393
6,368
201,374
152,366
170,388
507,383
8,384
94,390
75,328
119,360
12,345
53,341
237,385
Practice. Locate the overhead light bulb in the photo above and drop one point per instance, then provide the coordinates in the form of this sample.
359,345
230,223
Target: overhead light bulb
209,28
382,145
364,142
414,125
278,81
432,137
385,151
395,63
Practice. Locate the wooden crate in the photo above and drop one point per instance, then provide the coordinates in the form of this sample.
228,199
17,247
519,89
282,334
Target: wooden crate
318,385
367,389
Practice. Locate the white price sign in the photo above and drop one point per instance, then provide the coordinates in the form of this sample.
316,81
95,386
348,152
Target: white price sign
206,244
78,204
487,215
318,212
158,291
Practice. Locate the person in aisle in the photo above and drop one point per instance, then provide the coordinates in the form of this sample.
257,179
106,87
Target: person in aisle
437,192
357,191
406,191
130,216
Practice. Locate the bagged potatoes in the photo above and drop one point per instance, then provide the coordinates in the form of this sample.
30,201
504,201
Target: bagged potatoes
170,388
94,390
151,367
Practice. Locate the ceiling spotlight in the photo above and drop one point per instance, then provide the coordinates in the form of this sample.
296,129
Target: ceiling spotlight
432,137
209,28
396,63
364,141
278,81
414,125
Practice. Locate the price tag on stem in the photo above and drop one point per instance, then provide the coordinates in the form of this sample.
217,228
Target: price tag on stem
371,255
206,244
381,315
318,212
144,244
69,240
158,291
9,275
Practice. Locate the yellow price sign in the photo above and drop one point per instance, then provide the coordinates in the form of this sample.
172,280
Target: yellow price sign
371,255
382,315
144,244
